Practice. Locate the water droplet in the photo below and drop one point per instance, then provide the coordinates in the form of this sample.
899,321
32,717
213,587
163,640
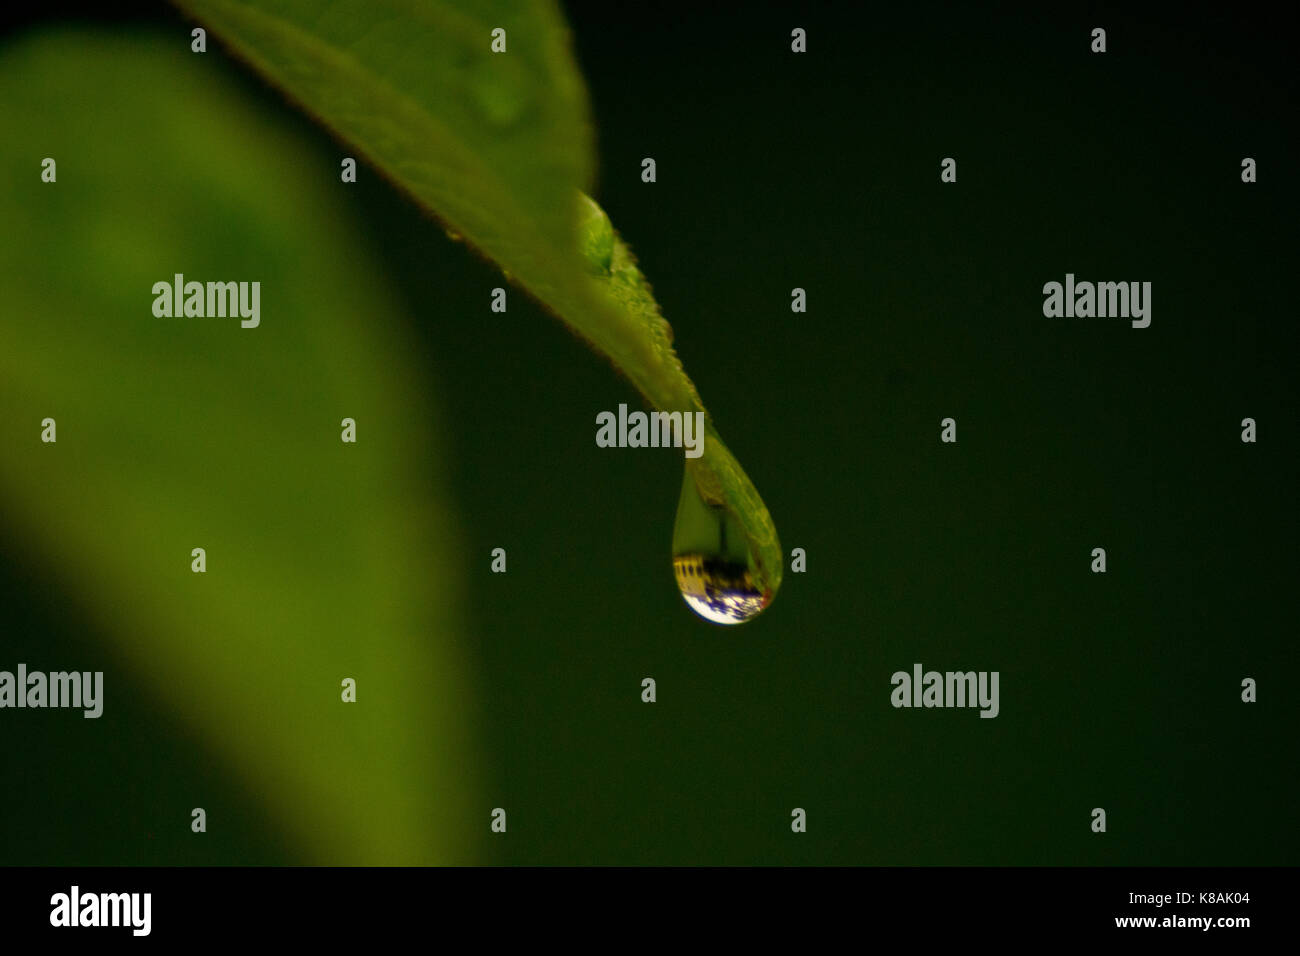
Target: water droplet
595,236
711,560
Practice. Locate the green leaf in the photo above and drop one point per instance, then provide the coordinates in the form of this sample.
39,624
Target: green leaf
499,146
325,560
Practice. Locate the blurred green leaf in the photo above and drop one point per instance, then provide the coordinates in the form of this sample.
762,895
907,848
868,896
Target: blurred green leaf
499,145
325,560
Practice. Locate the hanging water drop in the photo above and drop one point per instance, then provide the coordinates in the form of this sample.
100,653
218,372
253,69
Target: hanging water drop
711,559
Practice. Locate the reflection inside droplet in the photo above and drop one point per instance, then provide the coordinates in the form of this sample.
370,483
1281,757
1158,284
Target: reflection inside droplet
711,561
718,590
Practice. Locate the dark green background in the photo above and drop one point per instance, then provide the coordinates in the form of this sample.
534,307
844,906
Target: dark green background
822,171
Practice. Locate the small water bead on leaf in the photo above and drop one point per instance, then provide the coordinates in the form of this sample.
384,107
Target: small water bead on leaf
714,568
595,236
